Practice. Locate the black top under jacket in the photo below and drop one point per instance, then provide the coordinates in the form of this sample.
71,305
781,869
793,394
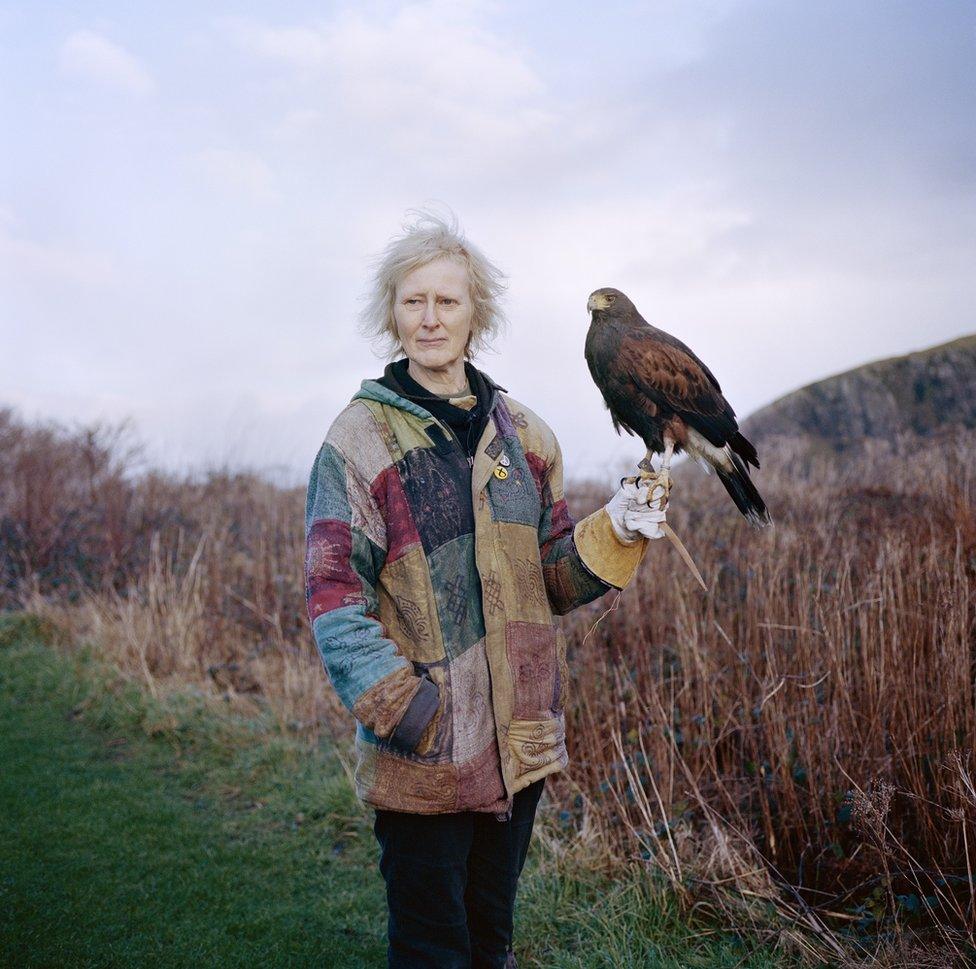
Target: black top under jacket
467,425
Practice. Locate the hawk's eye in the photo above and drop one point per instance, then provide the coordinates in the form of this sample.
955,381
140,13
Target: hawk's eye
610,298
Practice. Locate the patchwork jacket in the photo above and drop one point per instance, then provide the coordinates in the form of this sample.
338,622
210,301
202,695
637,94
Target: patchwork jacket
431,585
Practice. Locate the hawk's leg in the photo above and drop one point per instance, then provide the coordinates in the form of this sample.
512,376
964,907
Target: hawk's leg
659,482
660,487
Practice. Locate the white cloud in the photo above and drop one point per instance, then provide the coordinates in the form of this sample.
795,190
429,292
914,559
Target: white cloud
298,123
429,81
91,56
306,48
26,261
239,172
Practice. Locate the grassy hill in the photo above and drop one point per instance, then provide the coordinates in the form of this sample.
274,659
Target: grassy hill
918,393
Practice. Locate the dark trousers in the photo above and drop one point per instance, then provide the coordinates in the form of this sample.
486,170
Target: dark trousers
451,882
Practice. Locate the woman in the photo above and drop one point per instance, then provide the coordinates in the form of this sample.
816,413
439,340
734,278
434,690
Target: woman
438,548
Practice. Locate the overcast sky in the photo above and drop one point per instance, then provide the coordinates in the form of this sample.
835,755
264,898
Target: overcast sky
190,195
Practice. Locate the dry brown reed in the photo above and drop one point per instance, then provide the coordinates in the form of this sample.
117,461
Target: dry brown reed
813,714
177,580
801,734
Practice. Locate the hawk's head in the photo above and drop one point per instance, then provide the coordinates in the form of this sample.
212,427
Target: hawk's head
608,302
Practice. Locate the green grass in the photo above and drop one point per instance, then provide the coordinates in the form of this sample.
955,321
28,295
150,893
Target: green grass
144,832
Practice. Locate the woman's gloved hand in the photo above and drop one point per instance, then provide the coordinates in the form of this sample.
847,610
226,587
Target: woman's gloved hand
632,516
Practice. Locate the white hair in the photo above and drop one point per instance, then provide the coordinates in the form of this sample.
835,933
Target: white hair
427,238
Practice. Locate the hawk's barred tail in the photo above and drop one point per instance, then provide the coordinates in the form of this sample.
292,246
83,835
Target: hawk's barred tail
747,499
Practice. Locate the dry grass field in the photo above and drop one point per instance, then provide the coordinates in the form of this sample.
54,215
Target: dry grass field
792,750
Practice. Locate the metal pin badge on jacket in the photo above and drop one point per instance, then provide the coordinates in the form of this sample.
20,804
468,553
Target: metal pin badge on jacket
504,460
500,472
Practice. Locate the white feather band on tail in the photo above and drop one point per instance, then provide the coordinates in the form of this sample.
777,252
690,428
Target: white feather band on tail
704,452
734,475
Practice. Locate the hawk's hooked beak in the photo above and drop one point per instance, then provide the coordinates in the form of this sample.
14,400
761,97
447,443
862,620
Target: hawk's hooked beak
596,302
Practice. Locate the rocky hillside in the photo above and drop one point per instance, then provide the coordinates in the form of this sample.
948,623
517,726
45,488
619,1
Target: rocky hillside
918,393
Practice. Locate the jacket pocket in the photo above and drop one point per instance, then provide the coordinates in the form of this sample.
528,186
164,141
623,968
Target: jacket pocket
428,739
417,729
437,739
536,743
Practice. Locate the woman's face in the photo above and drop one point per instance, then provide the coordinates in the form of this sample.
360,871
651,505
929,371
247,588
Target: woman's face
433,311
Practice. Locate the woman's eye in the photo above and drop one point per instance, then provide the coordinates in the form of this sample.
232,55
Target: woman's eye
413,301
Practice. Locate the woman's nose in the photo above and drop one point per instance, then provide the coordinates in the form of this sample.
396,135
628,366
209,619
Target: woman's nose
430,313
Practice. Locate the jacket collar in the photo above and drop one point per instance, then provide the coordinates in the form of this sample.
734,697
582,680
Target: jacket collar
374,390
487,449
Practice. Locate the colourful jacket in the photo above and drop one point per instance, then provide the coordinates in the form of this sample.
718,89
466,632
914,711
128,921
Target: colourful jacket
431,586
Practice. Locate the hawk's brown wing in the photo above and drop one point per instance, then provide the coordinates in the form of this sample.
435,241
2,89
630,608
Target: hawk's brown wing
670,376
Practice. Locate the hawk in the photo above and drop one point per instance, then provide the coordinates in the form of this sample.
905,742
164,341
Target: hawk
656,388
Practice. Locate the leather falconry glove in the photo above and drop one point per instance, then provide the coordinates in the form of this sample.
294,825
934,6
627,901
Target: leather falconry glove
637,510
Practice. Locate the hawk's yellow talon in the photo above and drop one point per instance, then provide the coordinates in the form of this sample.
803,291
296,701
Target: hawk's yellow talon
655,480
